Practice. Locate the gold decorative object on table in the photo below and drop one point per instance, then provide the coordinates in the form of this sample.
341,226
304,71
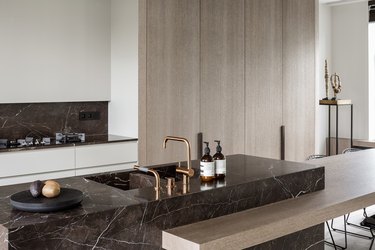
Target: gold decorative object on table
336,85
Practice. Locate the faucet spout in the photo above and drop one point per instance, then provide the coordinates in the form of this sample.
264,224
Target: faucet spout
154,172
188,150
188,171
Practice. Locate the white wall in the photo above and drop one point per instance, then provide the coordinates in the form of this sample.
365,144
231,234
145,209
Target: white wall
350,61
324,48
343,40
371,92
54,51
123,108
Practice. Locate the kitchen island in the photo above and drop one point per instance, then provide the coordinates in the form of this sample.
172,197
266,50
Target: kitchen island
350,186
115,215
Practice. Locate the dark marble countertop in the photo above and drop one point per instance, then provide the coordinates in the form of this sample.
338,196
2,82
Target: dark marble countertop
100,197
114,218
349,187
90,140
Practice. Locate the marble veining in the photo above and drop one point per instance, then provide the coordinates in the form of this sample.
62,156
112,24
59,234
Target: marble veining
19,120
118,218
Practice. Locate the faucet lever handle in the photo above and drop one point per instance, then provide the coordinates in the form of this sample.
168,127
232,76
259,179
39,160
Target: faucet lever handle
186,171
171,182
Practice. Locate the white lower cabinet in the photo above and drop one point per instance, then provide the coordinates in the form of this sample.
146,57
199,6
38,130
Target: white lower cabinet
101,158
41,164
30,165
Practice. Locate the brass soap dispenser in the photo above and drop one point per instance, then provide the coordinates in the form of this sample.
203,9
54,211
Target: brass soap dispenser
207,165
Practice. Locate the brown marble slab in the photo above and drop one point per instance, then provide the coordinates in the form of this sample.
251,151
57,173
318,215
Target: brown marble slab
112,218
349,186
18,120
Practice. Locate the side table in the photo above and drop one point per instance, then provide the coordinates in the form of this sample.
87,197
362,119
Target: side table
337,103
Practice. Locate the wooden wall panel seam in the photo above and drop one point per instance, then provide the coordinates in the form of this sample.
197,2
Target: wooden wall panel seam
244,76
142,97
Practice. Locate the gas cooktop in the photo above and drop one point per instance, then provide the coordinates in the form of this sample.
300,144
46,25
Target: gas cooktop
61,138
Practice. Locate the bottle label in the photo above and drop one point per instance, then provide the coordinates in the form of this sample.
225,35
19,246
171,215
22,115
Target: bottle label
221,166
207,169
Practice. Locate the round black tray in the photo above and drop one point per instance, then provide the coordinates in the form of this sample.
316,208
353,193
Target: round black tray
68,198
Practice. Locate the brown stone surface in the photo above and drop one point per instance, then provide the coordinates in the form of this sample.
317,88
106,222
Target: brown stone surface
45,119
117,218
349,186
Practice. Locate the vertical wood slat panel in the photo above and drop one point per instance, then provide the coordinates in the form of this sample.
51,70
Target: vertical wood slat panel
299,78
142,79
173,67
279,39
222,73
263,77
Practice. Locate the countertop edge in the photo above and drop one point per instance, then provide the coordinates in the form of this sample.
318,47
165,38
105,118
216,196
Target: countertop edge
250,230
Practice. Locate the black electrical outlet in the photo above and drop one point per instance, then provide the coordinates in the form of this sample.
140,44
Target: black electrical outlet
85,116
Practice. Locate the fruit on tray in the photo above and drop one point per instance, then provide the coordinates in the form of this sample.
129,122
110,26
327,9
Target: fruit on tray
51,189
36,188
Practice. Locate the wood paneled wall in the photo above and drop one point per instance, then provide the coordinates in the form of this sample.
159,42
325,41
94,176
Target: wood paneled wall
173,84
299,78
235,70
222,73
263,77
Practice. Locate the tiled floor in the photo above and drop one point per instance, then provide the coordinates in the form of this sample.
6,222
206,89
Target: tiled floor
354,243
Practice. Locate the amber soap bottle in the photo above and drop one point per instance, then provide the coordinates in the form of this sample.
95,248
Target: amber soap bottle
207,165
220,162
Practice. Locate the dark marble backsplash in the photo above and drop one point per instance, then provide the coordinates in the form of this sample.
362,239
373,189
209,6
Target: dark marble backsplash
45,119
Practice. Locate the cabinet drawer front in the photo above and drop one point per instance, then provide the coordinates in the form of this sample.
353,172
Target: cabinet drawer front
104,169
32,177
36,161
106,154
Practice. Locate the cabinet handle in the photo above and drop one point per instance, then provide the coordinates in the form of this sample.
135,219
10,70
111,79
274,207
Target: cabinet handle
282,145
200,145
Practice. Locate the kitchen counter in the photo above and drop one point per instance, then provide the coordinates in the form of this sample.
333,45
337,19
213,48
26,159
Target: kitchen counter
350,186
111,218
89,140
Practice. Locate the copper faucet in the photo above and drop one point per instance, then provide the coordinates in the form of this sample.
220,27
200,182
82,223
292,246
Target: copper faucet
157,177
188,171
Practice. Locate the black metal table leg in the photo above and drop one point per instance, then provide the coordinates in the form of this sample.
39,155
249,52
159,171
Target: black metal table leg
351,125
329,130
337,129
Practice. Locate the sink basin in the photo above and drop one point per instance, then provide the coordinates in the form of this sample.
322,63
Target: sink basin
132,179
